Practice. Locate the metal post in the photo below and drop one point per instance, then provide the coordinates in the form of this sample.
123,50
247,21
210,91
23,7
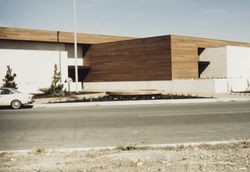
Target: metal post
75,46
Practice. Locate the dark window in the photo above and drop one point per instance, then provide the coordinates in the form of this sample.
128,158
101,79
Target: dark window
202,66
5,91
200,50
82,72
85,48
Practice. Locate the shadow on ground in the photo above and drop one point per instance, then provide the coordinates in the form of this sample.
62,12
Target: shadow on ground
24,107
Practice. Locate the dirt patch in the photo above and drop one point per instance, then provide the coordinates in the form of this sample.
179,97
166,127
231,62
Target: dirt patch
233,157
114,96
108,98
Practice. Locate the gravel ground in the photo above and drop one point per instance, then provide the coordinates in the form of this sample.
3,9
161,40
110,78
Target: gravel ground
231,157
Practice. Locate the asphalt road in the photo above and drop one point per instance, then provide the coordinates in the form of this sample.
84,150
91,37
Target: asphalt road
123,125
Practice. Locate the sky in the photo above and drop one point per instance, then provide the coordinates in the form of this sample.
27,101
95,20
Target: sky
220,19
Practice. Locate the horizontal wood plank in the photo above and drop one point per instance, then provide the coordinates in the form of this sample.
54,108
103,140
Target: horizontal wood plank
55,36
134,60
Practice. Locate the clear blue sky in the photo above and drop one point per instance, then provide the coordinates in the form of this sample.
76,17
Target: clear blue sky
223,19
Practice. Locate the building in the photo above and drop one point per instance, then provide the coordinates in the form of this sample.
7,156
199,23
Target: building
171,63
32,55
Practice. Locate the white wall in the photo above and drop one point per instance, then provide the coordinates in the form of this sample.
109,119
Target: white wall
175,86
231,85
33,62
34,68
226,62
238,62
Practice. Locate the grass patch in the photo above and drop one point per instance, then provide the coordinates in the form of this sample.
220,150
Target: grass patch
39,151
207,146
125,148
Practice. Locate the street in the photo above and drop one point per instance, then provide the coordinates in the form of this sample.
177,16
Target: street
74,127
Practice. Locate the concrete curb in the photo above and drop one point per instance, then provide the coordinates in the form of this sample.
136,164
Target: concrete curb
137,146
141,102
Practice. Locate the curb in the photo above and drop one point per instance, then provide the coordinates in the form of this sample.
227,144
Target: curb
173,145
141,102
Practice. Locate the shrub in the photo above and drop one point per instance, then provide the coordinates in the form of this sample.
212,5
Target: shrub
9,79
55,89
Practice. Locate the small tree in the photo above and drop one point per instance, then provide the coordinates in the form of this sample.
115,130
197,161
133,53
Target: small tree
9,79
55,87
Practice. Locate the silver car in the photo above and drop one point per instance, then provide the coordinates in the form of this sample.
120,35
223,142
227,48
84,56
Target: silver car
13,98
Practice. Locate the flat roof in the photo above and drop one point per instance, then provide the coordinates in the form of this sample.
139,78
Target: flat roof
7,33
21,34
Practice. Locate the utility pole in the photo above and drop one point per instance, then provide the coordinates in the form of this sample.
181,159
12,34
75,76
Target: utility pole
75,47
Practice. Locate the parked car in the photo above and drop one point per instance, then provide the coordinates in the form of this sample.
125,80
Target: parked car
14,98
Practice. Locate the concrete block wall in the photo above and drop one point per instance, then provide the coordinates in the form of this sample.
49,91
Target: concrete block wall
230,62
218,63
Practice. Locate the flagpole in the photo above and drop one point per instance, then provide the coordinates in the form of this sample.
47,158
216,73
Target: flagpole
75,47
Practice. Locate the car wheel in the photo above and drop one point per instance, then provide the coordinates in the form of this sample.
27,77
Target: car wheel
16,104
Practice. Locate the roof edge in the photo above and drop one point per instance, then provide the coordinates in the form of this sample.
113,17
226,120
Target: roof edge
24,34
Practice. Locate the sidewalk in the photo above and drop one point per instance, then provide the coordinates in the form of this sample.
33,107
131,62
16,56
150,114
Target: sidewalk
43,103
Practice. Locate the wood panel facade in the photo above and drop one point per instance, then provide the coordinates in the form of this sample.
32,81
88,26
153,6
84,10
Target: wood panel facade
184,53
115,58
55,36
157,58
135,60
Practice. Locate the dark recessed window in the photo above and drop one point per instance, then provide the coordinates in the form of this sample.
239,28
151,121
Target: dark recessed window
200,50
85,48
202,66
82,72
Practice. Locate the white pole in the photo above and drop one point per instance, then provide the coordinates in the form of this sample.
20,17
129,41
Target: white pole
75,46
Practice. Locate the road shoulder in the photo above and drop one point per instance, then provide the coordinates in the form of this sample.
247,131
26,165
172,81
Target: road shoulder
143,102
195,157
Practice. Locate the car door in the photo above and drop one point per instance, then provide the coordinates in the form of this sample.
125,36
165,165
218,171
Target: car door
5,97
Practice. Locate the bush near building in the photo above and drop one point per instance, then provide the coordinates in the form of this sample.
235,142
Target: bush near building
9,79
55,89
